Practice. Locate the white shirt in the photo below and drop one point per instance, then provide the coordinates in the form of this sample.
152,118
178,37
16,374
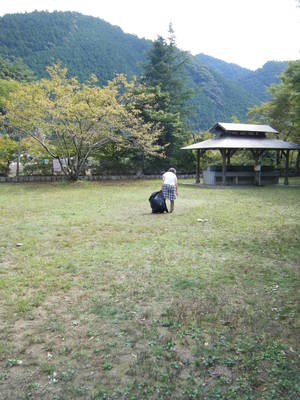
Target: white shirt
169,178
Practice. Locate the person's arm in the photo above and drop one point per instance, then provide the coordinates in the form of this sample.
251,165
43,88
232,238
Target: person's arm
176,186
163,179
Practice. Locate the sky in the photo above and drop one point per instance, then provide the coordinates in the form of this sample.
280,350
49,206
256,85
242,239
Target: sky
245,32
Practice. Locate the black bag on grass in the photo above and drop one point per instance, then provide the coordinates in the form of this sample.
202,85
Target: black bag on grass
158,202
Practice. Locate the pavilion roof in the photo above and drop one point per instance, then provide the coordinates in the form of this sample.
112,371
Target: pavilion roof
227,127
243,142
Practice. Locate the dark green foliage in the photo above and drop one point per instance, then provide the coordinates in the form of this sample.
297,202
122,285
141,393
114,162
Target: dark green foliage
160,112
165,75
283,109
115,161
275,112
166,68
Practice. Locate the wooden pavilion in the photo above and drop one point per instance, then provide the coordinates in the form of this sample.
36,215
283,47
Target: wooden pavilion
230,138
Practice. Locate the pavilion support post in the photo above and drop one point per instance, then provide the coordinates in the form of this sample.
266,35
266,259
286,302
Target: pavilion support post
286,170
228,158
198,166
277,158
229,154
297,163
223,152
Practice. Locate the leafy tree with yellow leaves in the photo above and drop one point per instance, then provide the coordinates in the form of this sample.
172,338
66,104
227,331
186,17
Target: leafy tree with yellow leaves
71,120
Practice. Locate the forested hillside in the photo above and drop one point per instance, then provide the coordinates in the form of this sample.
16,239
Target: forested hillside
262,78
254,82
216,98
84,44
230,71
88,45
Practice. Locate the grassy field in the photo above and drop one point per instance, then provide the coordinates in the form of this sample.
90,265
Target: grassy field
100,299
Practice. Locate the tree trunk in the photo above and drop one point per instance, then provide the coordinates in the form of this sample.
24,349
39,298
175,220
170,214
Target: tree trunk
74,173
77,166
143,162
73,177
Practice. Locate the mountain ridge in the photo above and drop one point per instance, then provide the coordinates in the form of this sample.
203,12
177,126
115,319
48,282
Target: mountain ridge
250,80
86,45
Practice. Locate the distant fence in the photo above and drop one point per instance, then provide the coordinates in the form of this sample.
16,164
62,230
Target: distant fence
61,178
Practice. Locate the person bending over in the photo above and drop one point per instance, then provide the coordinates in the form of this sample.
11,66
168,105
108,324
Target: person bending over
169,186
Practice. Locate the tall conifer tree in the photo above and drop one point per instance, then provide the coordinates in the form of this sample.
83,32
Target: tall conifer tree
166,69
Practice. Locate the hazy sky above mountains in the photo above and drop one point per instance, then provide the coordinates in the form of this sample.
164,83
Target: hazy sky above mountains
244,32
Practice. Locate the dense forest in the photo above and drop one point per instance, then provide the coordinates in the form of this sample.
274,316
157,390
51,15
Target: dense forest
88,45
216,98
254,82
85,44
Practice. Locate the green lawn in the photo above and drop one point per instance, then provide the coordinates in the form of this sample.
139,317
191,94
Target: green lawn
100,299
